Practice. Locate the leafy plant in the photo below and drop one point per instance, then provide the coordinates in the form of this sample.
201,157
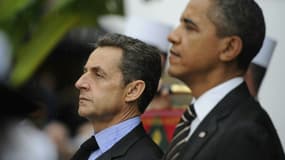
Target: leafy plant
36,26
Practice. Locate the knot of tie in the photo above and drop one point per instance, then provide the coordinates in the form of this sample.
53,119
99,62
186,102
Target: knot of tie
86,149
90,144
189,115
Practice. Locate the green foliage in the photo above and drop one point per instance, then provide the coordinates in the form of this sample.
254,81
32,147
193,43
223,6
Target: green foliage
36,26
10,8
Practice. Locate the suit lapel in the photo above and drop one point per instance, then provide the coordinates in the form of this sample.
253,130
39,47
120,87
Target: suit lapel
209,125
121,148
199,138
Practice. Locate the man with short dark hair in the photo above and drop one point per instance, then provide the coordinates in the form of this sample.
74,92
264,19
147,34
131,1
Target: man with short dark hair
120,79
212,48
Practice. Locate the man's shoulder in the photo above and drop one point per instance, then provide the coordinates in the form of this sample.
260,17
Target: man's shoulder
135,145
143,142
145,148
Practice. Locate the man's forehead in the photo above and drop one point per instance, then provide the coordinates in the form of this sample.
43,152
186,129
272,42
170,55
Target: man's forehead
104,59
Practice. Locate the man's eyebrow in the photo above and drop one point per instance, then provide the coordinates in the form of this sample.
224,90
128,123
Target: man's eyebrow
98,69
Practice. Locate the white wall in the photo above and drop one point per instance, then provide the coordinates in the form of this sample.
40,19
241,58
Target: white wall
168,11
271,92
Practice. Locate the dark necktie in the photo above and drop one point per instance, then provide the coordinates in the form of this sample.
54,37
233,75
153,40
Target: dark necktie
181,134
86,149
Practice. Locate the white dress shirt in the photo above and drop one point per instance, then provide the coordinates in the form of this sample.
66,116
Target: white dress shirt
208,100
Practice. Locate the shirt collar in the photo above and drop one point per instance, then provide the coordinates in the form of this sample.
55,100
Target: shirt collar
110,136
207,101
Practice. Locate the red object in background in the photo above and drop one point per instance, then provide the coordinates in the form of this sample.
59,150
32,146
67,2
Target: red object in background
167,118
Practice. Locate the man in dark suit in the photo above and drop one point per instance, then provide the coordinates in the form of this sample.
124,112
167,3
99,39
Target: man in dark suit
211,50
120,78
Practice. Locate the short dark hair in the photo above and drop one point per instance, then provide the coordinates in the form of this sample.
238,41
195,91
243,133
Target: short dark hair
140,61
243,18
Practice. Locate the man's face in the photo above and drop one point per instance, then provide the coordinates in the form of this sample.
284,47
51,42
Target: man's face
101,85
195,46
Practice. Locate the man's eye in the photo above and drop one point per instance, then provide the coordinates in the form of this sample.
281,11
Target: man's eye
99,75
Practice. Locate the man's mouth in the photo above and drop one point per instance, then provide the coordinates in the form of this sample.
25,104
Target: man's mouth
173,53
83,98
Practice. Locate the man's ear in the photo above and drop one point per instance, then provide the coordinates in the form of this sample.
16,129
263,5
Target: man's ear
231,48
134,90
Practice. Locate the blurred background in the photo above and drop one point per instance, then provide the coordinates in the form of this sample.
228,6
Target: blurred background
45,43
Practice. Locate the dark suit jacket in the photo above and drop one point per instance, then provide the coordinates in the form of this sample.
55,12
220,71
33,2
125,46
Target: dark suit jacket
236,129
136,145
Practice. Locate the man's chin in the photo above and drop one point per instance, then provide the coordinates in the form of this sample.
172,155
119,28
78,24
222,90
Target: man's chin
82,112
171,72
